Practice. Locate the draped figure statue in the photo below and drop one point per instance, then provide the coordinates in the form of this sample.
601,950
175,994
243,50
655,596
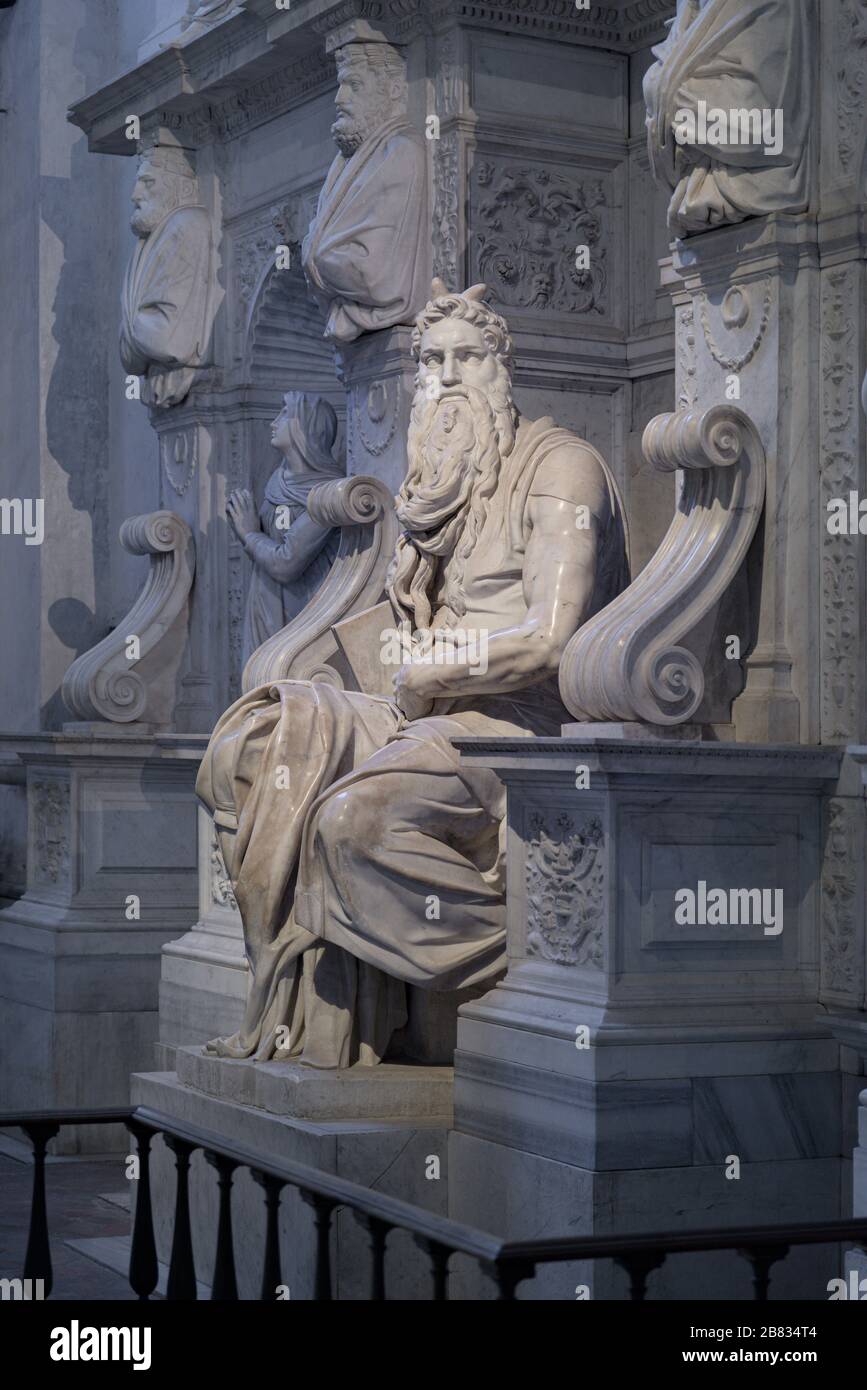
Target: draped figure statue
291,553
364,253
748,60
167,304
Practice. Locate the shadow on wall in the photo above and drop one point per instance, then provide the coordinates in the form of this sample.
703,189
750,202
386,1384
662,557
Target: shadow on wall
79,211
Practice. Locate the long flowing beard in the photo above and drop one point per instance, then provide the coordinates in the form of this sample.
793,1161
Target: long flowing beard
455,447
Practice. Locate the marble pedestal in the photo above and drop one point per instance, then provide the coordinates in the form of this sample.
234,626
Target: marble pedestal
378,1126
609,1081
111,876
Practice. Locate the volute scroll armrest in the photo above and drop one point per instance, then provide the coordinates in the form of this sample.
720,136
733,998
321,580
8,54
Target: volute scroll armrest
131,675
306,648
632,662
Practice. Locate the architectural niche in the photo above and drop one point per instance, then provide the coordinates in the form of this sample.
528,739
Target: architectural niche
285,344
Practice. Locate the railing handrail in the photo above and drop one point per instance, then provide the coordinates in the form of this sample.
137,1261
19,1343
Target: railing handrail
563,1248
455,1236
17,1119
441,1230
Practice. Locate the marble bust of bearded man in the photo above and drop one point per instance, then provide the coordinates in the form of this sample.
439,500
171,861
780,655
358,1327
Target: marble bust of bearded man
167,303
339,812
363,255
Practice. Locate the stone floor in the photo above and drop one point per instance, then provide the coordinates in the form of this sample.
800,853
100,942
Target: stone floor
86,1200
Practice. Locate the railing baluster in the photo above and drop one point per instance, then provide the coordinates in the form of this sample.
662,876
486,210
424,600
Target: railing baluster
37,1261
271,1275
224,1285
182,1270
378,1231
639,1267
323,1209
509,1262
762,1258
143,1269
439,1256
509,1275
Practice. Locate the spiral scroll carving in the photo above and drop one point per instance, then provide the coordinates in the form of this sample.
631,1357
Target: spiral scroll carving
123,692
125,681
632,661
349,502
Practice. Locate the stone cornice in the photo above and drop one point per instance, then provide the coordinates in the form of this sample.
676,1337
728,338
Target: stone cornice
625,25
791,761
260,62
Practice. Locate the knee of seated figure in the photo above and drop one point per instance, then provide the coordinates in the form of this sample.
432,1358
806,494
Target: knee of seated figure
349,819
262,713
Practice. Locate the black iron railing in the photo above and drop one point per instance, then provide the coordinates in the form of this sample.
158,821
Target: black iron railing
510,1262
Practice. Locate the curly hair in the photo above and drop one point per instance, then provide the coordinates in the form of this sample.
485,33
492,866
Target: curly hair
471,307
385,62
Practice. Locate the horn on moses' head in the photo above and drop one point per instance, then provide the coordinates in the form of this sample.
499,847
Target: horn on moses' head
440,290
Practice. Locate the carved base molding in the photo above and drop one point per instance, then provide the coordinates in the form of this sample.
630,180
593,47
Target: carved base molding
248,1105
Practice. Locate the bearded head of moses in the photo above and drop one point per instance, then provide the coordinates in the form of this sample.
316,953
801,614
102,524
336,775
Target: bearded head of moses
463,426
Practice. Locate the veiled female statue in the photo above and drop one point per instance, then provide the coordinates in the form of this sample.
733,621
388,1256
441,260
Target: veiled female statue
291,553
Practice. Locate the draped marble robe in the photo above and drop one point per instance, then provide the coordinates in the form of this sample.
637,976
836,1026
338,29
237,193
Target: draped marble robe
166,306
364,253
741,55
276,594
380,812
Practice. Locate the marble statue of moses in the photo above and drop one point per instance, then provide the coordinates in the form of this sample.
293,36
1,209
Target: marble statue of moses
343,815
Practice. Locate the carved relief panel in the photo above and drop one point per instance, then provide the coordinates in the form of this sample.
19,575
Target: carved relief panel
842,473
565,887
543,236
48,858
842,948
